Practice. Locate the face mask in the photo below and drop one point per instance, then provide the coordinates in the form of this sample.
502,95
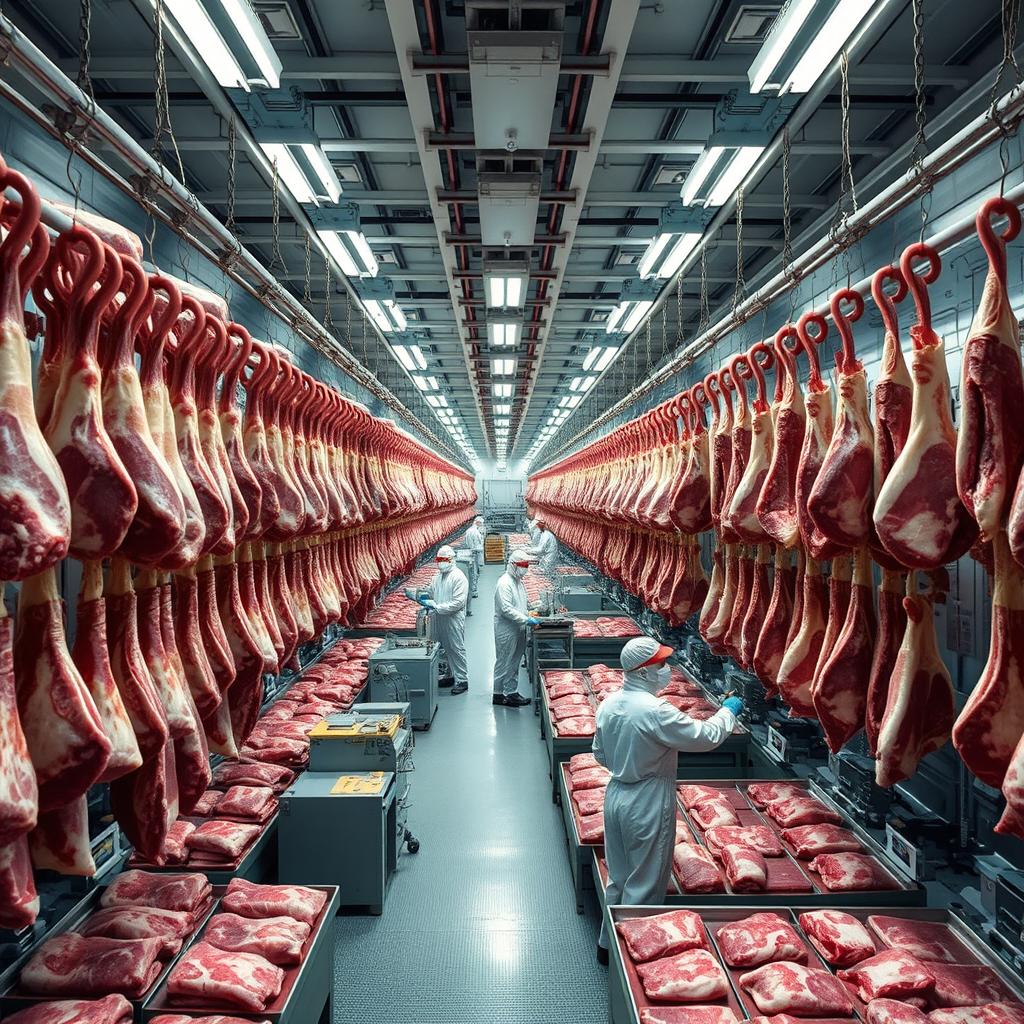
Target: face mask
659,675
518,571
444,567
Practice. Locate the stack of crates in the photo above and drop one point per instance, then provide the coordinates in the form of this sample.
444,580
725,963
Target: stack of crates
494,549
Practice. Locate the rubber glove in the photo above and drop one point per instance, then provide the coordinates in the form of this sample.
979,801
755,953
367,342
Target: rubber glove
734,704
411,594
532,621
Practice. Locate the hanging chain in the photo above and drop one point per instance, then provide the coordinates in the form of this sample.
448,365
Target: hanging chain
276,259
327,321
307,293
679,309
229,223
741,285
162,117
849,188
647,345
705,311
787,203
1010,20
348,320
84,79
920,150
664,332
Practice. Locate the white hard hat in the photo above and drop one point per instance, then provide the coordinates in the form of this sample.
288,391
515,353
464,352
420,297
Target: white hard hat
446,552
519,557
643,651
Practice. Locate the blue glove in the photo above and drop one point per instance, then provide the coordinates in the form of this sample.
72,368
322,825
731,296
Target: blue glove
532,621
425,602
734,704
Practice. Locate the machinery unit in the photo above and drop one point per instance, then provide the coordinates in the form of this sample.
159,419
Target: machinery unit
369,738
340,829
582,599
466,561
407,669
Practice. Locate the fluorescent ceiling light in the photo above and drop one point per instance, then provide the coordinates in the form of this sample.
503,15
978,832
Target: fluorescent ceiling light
722,169
732,177
388,316
503,390
208,43
249,29
323,170
334,245
437,401
502,410
699,172
570,401
503,334
582,383
503,367
837,29
411,357
397,316
781,35
426,383
604,359
654,250
639,311
290,172
674,260
363,251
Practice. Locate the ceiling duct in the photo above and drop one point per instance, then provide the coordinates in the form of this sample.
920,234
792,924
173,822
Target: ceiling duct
509,204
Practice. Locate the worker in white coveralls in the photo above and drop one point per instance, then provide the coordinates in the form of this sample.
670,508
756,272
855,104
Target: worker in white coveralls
446,597
475,543
638,739
545,548
511,620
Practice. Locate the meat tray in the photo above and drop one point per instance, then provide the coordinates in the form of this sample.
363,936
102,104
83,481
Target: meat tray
15,998
306,993
627,998
905,891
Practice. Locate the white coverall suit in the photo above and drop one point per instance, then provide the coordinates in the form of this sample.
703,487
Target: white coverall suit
475,543
638,739
450,591
511,615
545,550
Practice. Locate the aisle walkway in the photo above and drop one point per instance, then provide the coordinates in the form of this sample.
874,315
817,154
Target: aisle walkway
481,925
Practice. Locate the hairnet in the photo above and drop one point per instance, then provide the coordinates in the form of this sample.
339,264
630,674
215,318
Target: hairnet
642,651
446,552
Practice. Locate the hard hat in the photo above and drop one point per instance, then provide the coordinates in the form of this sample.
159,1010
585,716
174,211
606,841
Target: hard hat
519,557
642,652
446,554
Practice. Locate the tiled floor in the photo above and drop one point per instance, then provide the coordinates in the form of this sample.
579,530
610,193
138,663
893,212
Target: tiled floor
481,925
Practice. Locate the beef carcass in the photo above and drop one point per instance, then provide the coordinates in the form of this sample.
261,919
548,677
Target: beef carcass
990,442
892,973
145,802
158,526
840,938
759,939
651,937
209,977
796,672
839,694
991,724
776,504
35,511
191,762
19,794
172,927
102,494
721,444
817,437
788,987
851,872
191,645
892,625
252,900
113,1009
810,840
926,940
919,516
70,964
713,598
60,841
717,632
689,502
733,378
839,586
839,503
919,712
770,647
279,939
19,902
757,605
696,869
690,977
61,724
745,868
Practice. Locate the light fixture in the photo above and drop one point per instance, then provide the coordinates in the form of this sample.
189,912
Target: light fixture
502,410
503,367
599,357
718,172
437,401
289,172
411,357
308,175
503,334
803,41
425,383
570,401
582,384
323,170
387,315
680,229
334,246
654,249
502,390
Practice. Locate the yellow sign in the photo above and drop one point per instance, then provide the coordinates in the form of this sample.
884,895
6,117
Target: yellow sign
366,729
370,784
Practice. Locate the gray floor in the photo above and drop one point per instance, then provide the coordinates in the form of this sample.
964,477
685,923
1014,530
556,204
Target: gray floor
481,924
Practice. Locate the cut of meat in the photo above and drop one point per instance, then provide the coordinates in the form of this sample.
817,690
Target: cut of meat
172,927
145,802
788,987
706,1015
991,724
927,940
892,973
175,849
659,935
591,828
965,985
801,810
990,442
60,841
696,869
19,903
279,939
73,965
770,648
223,840
183,892
711,813
796,672
248,803
19,795
840,938
252,774
990,1013
851,872
589,801
757,607
893,1011
838,692
692,795
761,794
919,516
689,977
251,900
745,869
207,976
892,624
757,837
215,1018
590,778
810,840
920,710
759,939
113,1009
576,727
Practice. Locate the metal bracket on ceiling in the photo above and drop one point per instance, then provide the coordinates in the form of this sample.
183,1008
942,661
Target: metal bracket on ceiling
344,217
739,111
276,115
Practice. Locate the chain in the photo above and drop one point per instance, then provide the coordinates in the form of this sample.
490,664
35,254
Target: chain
327,321
348,320
787,202
1010,20
276,259
229,223
307,293
679,309
162,119
647,344
849,188
705,310
664,332
84,79
920,150
741,285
